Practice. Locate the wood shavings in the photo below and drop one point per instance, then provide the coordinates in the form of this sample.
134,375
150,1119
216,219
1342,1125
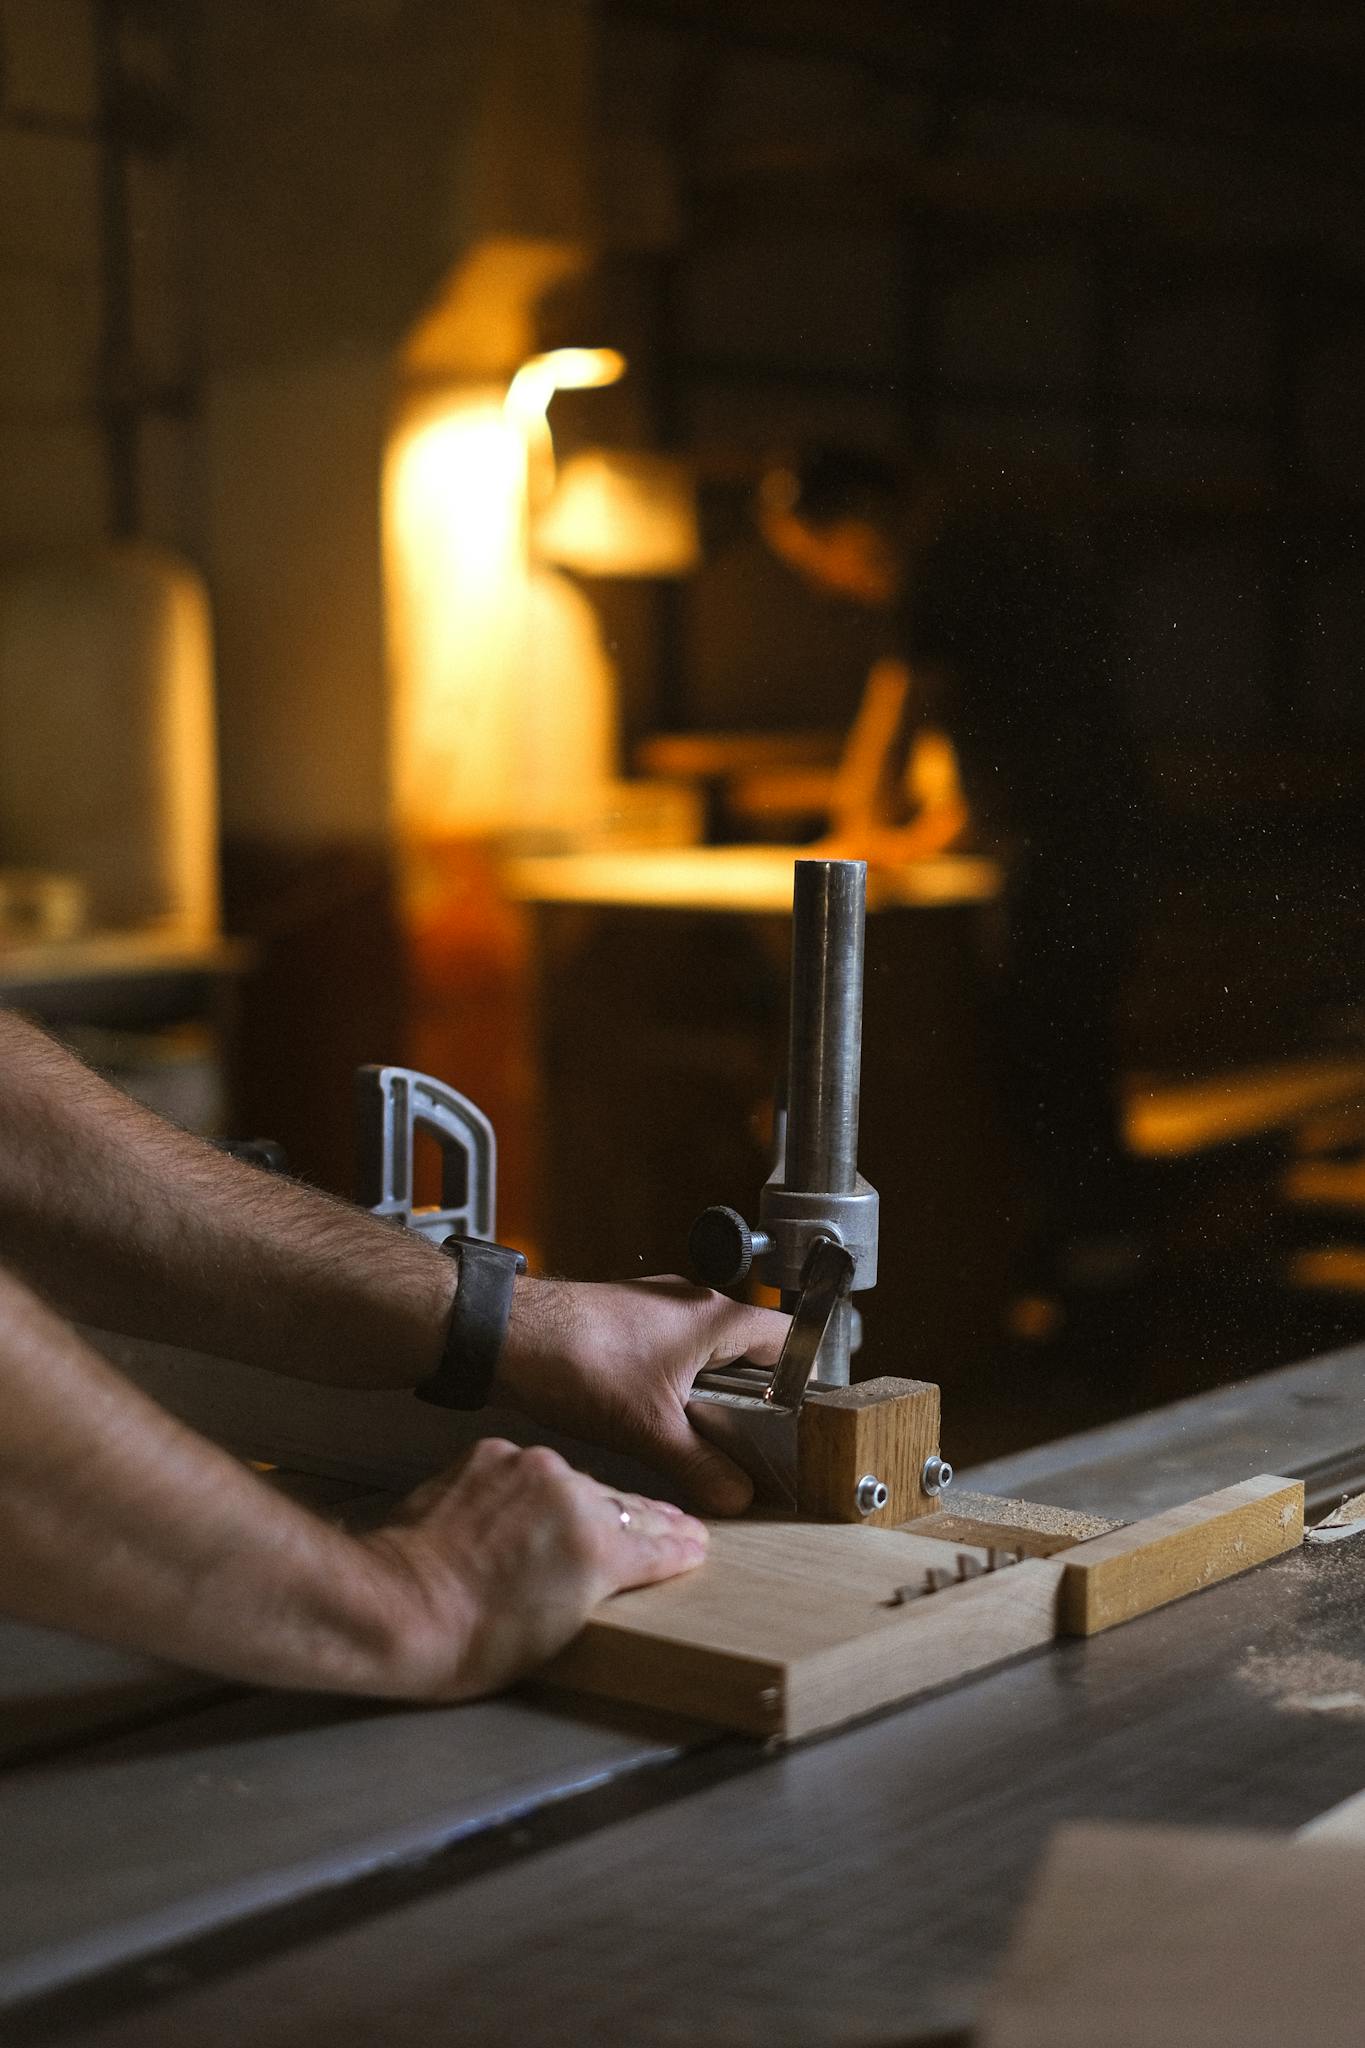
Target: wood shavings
1307,1683
1347,1520
1026,1514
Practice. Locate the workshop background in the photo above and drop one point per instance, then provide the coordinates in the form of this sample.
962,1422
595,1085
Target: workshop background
344,718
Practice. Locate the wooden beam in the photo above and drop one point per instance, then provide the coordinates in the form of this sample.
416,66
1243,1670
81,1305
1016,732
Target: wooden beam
1148,1564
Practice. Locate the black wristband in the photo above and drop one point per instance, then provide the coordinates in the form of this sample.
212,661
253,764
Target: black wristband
478,1323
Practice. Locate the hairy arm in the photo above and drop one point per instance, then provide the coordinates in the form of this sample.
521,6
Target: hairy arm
125,1222
128,1224
119,1523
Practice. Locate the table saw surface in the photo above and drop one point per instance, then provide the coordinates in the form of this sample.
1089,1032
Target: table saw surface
190,1861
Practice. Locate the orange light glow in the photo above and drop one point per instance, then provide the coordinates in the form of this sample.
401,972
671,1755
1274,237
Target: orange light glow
454,523
620,512
503,698
561,369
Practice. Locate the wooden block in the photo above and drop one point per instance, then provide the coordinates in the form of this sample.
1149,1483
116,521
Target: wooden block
1000,1524
793,1627
1138,1937
886,1428
1116,1577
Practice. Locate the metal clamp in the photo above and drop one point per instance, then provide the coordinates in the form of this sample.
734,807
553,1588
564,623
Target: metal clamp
392,1105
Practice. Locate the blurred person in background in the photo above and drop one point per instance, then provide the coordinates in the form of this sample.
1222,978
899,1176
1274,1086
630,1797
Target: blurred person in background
996,727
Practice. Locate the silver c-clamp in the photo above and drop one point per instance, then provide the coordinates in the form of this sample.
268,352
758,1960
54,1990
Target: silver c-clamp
816,1238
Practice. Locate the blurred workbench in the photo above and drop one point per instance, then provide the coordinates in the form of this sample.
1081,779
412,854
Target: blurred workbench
140,973
151,1007
661,1015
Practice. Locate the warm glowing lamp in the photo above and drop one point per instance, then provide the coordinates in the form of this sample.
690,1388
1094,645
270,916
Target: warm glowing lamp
561,369
503,697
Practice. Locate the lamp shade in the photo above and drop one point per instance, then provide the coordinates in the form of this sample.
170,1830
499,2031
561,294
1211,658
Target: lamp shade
617,512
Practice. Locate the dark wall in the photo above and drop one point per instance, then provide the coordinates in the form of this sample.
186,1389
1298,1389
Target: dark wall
1103,259
1100,262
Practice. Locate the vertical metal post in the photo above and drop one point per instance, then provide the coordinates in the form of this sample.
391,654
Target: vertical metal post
825,1052
824,1061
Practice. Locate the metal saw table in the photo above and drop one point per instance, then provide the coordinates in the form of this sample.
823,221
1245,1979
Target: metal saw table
192,1862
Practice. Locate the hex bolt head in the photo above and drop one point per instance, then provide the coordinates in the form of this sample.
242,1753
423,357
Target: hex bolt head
937,1474
871,1494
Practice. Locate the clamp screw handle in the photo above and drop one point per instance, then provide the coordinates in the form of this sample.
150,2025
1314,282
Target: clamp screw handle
722,1247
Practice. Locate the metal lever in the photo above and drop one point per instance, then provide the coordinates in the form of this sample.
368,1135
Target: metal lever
825,1282
753,1416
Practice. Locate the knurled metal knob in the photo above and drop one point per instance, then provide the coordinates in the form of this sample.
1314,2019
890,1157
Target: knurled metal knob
722,1247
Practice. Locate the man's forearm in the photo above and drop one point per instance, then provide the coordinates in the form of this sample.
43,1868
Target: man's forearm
126,1223
118,1522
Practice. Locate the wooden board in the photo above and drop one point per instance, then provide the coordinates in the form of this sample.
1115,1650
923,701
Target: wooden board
791,1627
885,1428
1130,1572
1172,1938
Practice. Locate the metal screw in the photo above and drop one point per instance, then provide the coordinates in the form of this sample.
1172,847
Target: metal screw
937,1474
871,1493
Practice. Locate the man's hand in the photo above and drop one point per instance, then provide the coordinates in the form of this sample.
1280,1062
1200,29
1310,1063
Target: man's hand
117,1521
497,1564
615,1364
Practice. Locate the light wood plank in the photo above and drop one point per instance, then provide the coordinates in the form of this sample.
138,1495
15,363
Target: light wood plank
1116,1577
792,1627
1171,1938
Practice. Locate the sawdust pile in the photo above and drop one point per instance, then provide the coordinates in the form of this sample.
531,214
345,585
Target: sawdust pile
1308,1683
1026,1514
